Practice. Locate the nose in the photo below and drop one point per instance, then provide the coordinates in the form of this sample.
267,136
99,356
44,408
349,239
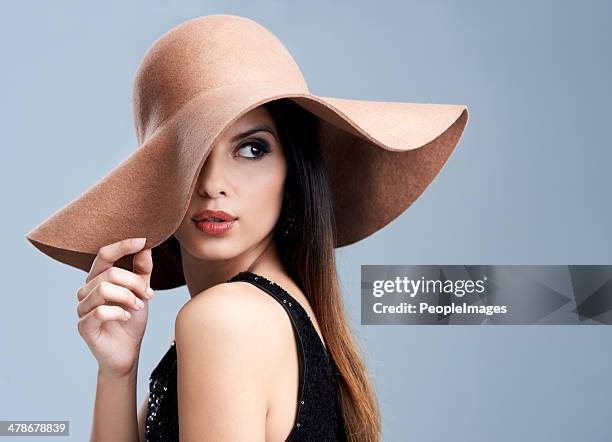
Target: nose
211,182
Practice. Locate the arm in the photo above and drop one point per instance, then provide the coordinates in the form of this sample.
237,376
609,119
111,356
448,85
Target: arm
142,416
115,409
109,294
223,366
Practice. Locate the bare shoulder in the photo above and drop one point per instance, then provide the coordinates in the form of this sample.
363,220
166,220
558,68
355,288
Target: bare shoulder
226,319
231,319
228,339
236,307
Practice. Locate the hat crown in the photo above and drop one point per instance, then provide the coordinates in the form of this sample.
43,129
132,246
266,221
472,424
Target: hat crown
207,53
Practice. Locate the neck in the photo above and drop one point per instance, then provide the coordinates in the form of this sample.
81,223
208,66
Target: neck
201,274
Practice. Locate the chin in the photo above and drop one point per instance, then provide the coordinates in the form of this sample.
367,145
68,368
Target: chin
214,249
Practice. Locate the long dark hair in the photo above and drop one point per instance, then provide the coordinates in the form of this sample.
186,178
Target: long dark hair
308,256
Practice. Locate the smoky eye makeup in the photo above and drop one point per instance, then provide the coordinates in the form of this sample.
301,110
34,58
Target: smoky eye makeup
253,149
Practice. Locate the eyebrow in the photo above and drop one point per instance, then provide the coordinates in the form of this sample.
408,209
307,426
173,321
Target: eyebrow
254,129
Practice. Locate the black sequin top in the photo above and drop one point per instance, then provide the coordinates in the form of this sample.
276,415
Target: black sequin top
318,413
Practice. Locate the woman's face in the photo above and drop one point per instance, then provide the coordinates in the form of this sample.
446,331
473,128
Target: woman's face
244,175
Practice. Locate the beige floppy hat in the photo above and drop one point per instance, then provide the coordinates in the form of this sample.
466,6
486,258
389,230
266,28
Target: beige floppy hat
196,80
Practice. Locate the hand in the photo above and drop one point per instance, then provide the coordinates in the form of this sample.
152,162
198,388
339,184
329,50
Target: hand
111,322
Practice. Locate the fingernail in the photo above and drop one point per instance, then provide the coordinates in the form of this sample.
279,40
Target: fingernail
139,303
138,242
127,314
150,292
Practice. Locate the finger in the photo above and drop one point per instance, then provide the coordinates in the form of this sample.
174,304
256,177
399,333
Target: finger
92,321
107,255
107,293
143,265
118,276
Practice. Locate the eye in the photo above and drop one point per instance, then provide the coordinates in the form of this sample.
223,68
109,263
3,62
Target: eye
255,150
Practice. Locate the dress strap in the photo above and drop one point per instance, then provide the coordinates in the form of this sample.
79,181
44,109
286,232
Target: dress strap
291,305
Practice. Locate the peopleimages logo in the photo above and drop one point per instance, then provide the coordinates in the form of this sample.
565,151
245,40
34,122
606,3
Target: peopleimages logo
413,287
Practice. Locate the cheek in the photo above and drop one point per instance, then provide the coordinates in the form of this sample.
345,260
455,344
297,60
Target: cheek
261,201
263,198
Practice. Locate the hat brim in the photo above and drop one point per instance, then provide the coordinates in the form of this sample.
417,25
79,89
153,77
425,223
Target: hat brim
396,148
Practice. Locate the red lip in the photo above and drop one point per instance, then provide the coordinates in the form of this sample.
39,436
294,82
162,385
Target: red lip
214,214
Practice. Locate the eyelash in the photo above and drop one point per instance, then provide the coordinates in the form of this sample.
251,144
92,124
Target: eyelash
260,144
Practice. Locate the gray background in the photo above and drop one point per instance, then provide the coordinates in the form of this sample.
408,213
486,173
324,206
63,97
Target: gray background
528,184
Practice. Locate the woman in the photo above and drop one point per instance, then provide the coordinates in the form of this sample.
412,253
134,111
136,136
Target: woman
262,350
228,333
